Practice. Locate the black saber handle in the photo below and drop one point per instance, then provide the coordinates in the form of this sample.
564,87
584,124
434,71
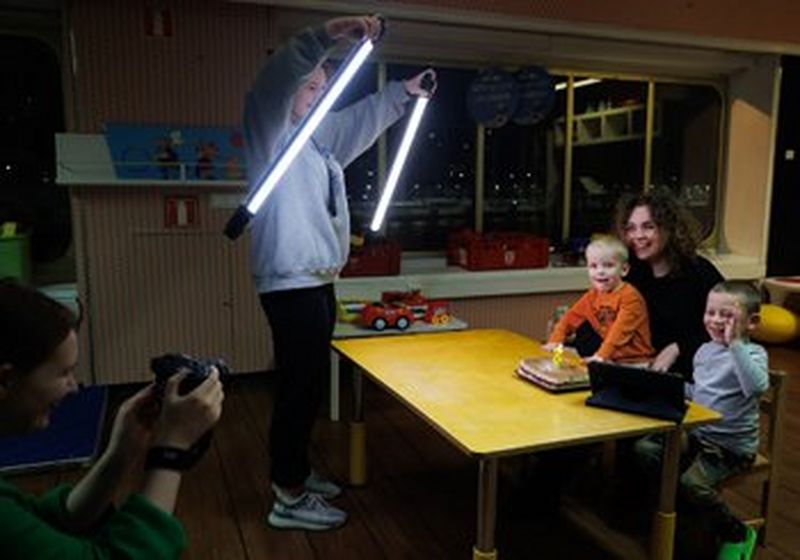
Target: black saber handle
237,222
427,83
384,24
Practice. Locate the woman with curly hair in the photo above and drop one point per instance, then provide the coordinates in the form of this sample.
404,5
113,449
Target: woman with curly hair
673,279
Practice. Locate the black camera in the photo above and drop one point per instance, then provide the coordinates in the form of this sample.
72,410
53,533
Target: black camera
196,370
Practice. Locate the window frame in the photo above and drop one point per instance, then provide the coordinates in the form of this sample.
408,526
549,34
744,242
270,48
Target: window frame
571,73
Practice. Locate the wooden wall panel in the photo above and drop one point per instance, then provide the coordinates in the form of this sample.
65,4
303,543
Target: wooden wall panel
526,314
152,289
84,371
200,73
197,76
252,341
772,21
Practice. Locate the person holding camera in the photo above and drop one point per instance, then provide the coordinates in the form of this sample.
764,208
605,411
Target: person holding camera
300,241
38,357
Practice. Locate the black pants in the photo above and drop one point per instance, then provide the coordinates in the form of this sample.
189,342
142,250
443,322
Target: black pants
587,341
302,323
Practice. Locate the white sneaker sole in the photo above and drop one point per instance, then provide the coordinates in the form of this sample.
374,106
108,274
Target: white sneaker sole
280,522
327,495
326,489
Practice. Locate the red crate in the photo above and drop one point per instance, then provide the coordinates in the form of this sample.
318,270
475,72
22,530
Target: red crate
455,241
379,259
498,251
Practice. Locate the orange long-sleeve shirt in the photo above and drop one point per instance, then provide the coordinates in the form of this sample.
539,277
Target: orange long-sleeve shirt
619,317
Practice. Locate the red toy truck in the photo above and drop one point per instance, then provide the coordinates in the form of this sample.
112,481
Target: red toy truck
381,315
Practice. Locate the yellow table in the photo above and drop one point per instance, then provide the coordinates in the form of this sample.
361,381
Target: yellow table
463,384
350,330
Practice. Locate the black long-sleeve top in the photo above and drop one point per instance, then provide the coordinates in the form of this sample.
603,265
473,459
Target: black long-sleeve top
676,304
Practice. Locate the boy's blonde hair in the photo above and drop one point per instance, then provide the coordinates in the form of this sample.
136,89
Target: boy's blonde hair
609,244
744,291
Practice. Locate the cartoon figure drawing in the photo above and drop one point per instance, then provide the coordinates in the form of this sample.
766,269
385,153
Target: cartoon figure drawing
234,168
167,158
206,153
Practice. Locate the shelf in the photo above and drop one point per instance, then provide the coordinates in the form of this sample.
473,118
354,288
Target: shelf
610,112
619,124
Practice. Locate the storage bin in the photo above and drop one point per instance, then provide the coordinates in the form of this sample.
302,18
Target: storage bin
15,259
378,259
498,251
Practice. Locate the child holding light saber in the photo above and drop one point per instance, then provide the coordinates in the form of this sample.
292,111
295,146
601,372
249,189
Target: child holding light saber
300,241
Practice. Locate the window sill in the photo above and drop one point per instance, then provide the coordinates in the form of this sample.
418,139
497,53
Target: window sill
435,279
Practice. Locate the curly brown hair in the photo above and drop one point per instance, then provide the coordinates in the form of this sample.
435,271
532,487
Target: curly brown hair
678,227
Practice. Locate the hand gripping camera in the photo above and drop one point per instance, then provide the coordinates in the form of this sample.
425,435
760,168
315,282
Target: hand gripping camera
197,371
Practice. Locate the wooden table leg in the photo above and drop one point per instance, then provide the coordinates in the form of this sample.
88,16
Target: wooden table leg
484,548
663,536
609,458
358,433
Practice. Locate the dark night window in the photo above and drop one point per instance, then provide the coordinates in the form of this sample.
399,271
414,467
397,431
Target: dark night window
31,111
525,166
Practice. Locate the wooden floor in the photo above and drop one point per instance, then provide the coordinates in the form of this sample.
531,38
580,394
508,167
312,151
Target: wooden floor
420,499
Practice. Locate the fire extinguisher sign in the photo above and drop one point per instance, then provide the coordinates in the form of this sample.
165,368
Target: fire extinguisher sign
157,20
180,211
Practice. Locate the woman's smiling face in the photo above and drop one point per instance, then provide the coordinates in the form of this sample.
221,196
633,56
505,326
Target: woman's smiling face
30,398
643,236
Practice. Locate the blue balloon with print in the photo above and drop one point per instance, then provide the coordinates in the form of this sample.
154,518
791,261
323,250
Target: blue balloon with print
492,97
536,95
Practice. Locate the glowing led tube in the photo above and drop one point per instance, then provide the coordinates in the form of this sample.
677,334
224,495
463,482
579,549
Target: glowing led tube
281,163
399,162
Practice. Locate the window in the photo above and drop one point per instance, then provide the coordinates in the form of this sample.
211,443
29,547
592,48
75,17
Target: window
31,111
435,193
559,178
608,149
686,146
524,179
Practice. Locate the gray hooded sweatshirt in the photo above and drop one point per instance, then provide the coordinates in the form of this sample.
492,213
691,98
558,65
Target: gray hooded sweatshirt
300,238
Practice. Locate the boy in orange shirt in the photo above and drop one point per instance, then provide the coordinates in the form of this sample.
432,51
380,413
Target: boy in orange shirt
610,320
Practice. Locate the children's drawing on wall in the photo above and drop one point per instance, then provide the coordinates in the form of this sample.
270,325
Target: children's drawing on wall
234,164
166,157
207,153
234,168
176,153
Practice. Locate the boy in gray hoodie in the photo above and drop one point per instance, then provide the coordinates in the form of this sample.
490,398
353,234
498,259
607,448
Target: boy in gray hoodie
730,375
300,241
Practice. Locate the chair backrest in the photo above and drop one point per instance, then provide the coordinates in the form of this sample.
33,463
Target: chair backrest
772,404
767,464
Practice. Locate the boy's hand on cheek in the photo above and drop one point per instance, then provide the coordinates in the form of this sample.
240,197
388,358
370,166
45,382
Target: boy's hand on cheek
733,330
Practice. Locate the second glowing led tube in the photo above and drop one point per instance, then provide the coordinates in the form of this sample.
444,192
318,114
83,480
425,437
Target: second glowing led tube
399,162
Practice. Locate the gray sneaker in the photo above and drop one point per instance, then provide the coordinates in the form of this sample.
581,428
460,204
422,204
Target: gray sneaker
307,511
322,486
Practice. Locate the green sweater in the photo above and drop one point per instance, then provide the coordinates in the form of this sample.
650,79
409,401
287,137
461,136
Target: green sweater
32,528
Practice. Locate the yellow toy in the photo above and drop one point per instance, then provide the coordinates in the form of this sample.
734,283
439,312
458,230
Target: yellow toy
777,325
349,311
558,356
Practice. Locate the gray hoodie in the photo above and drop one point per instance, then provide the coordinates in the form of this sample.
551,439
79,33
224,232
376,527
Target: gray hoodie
297,241
730,380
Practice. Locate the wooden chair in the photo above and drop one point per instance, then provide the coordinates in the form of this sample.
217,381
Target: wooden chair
767,463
